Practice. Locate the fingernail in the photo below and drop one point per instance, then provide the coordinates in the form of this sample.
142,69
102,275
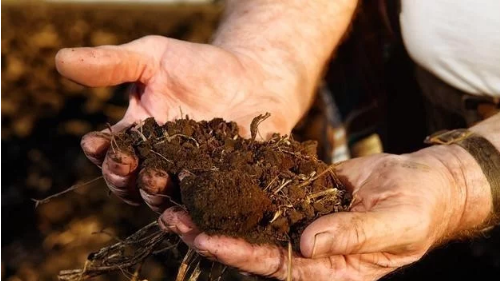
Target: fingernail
122,164
153,181
95,139
321,240
95,144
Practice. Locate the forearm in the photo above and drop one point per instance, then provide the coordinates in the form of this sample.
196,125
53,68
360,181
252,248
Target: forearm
291,39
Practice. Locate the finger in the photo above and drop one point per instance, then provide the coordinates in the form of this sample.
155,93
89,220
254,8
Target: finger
358,232
105,65
119,172
262,260
273,261
95,145
176,220
156,187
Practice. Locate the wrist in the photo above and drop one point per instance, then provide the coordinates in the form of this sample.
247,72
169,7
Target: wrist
281,83
291,41
467,198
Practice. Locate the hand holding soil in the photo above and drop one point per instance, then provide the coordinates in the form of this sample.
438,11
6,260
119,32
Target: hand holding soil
235,187
402,206
173,78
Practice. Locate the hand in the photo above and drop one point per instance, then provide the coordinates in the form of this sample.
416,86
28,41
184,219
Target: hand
403,206
171,76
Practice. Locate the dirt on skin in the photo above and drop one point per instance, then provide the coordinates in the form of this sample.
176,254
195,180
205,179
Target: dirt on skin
262,191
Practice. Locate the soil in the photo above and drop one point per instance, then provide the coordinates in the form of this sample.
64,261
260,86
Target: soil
263,191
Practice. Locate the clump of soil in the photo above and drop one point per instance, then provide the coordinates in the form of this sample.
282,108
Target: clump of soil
263,191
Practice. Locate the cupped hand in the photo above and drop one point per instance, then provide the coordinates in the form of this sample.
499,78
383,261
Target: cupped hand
403,206
172,76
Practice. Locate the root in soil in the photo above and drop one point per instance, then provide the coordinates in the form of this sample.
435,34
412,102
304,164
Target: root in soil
124,255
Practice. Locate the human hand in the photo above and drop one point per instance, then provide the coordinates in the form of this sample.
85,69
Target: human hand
172,76
403,206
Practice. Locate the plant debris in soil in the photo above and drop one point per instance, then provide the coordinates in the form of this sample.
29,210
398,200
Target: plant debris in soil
262,191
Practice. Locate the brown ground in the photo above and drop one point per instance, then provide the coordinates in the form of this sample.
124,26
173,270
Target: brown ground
265,192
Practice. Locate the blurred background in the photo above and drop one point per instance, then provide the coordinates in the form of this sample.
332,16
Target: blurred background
44,116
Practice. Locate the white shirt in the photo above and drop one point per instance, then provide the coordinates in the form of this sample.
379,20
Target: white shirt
456,40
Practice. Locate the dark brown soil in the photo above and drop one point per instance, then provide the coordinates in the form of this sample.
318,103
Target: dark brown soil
265,192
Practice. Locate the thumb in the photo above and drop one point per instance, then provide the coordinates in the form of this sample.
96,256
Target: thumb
106,65
357,233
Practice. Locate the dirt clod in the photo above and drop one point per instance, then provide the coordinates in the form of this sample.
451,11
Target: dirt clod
264,192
